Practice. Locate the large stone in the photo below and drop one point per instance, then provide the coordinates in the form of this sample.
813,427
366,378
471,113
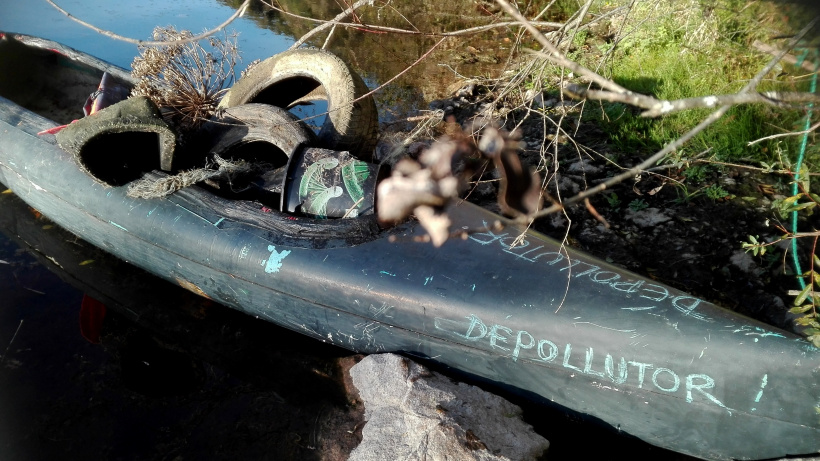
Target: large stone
649,217
414,414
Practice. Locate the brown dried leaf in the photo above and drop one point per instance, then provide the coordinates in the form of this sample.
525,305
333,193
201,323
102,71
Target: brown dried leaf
520,190
436,224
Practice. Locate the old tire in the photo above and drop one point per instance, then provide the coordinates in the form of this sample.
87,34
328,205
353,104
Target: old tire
248,131
288,77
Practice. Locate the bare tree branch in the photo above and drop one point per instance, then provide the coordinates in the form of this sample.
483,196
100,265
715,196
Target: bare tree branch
671,147
555,56
789,58
337,21
371,92
327,24
195,38
713,117
783,135
657,107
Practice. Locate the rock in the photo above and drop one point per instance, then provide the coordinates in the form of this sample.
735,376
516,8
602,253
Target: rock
744,261
415,414
536,97
566,186
584,166
648,217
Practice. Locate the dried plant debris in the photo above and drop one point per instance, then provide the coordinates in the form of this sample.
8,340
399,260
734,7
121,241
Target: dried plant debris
424,188
185,80
520,192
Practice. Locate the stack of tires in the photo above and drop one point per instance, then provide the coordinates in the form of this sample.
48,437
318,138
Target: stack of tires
254,122
302,75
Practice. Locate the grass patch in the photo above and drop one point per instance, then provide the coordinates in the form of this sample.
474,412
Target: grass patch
682,49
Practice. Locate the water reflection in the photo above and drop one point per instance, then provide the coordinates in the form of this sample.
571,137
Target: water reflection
377,56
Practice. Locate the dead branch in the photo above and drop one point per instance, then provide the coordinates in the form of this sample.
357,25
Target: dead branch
788,57
575,22
783,135
671,147
657,107
107,33
713,117
555,56
327,24
337,22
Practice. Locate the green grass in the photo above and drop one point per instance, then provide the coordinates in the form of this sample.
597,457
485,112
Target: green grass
675,50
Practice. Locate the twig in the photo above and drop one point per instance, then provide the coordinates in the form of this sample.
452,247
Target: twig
328,24
374,90
377,28
749,167
713,117
781,135
575,24
329,36
420,59
195,38
3,357
657,107
789,58
555,56
352,208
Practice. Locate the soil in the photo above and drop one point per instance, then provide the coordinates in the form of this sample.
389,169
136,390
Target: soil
648,224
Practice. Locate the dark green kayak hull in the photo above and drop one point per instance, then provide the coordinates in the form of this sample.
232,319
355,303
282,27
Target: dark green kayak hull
536,317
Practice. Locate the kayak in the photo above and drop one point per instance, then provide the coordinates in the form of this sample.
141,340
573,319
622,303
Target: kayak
507,305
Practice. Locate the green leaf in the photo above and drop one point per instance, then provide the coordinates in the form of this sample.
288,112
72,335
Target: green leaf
811,332
803,206
805,177
807,321
803,295
789,201
800,309
816,341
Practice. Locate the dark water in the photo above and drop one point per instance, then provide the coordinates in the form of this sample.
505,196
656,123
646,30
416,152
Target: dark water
165,374
160,373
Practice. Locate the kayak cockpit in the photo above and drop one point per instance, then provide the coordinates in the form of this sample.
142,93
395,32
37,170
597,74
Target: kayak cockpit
46,79
57,83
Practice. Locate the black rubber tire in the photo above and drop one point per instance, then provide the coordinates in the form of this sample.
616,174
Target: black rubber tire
254,123
287,77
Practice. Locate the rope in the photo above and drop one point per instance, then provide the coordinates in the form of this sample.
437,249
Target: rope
227,170
801,155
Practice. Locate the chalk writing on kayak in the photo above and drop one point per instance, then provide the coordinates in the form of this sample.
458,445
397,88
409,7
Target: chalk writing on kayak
576,268
521,344
274,262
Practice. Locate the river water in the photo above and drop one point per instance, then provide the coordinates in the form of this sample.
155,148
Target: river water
99,360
